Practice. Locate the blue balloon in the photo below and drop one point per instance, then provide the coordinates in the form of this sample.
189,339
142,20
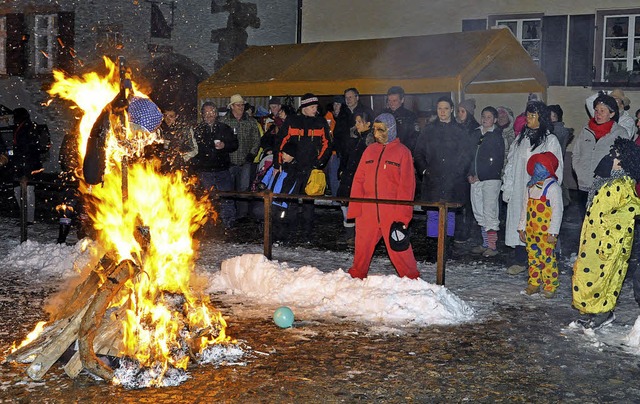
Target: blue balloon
283,317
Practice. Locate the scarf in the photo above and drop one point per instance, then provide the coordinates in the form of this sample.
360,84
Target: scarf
600,130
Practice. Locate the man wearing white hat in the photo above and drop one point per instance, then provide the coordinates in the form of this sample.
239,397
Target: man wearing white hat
246,129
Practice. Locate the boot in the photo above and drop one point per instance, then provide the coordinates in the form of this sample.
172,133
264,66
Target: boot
63,230
350,235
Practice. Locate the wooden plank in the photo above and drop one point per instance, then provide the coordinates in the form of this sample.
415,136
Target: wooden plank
54,350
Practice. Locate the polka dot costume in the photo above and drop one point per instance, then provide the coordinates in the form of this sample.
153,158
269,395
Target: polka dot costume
543,267
605,247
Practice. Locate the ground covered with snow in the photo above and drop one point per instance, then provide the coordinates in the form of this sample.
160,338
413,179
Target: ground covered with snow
381,339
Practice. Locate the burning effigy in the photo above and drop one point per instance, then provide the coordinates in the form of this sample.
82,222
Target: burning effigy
136,318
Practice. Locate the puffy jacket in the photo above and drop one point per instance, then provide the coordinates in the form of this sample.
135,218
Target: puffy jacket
443,157
349,163
209,158
488,159
384,172
587,153
312,138
26,157
408,131
282,182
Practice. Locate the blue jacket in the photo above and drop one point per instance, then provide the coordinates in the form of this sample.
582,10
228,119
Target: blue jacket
283,182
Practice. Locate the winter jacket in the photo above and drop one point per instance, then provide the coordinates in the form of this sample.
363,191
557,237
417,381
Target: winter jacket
470,125
282,182
384,172
443,157
408,131
312,138
209,158
341,131
515,178
587,153
488,159
349,163
562,134
248,135
26,157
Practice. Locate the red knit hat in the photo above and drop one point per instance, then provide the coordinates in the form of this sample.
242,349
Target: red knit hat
547,159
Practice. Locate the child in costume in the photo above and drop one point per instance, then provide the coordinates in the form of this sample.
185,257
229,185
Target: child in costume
540,223
607,235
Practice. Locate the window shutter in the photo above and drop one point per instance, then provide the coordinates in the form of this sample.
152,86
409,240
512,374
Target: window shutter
17,39
474,25
66,35
581,42
554,48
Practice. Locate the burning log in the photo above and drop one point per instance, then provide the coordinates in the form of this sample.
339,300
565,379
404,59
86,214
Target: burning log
138,303
93,318
66,318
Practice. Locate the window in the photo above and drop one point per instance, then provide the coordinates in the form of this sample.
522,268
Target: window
44,42
3,45
621,47
528,32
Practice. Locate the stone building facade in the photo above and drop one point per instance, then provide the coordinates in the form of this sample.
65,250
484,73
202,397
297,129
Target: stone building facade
171,45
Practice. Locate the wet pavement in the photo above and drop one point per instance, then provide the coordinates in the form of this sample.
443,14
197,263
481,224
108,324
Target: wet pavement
520,349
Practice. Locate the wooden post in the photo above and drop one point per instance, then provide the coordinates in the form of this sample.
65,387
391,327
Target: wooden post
23,209
267,200
125,179
442,234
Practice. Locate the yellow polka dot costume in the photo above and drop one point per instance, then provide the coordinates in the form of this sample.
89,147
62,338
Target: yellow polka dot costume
605,246
543,267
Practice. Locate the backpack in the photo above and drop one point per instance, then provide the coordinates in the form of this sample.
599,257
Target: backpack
316,184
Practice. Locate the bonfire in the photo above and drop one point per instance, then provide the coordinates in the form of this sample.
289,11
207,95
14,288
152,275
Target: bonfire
136,317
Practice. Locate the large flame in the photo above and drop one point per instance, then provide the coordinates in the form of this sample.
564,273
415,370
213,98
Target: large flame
151,223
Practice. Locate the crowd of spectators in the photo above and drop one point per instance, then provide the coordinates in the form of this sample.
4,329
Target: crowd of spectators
504,172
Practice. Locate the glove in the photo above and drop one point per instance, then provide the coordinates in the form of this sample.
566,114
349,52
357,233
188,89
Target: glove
261,186
250,157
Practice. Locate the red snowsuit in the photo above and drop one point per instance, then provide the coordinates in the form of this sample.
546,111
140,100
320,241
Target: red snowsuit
384,172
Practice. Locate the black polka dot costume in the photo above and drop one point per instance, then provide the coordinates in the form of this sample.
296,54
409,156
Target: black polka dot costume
605,247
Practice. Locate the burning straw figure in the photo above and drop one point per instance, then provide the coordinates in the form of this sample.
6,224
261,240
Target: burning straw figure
607,235
144,219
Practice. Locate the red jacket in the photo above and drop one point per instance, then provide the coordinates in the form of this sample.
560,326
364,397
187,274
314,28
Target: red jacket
384,172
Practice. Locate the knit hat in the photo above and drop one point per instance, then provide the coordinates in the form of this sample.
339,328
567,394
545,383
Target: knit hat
618,94
547,159
275,101
235,99
469,105
610,102
308,99
143,112
290,148
390,122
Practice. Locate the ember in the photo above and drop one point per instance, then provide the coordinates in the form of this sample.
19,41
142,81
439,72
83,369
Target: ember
137,304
